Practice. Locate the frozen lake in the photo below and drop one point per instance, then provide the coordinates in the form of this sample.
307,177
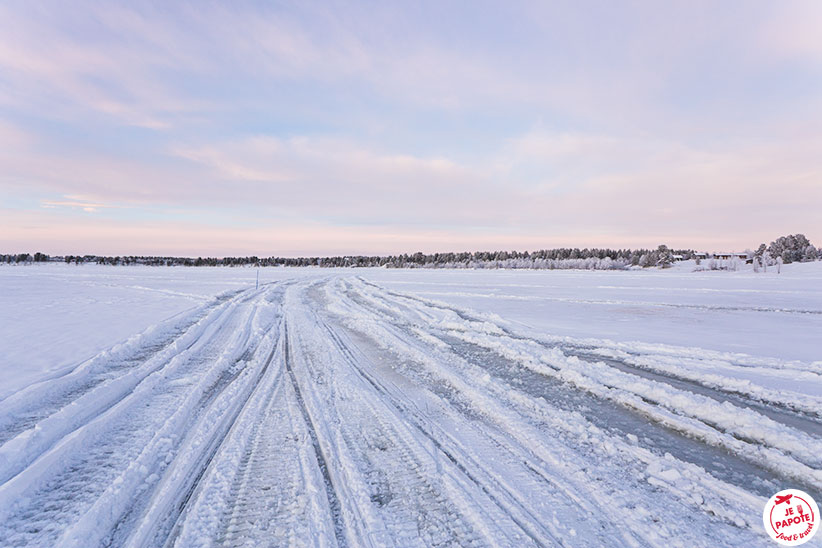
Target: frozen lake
184,406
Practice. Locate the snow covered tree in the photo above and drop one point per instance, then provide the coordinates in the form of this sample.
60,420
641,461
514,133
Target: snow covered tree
790,248
664,257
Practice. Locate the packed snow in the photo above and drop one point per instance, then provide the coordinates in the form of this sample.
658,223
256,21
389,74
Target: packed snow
185,407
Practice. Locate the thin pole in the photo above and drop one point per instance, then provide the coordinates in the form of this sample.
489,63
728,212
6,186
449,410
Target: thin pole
257,286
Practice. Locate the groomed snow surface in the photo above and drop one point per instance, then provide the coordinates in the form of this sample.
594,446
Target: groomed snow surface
186,407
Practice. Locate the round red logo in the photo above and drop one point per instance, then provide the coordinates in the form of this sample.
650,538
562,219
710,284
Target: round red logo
791,517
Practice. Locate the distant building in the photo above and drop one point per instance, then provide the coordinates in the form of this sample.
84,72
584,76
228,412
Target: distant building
726,256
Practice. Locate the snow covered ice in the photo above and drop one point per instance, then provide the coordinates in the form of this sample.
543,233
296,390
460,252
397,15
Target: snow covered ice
366,407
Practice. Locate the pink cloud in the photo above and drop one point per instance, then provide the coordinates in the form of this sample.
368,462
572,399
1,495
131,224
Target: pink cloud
567,188
76,202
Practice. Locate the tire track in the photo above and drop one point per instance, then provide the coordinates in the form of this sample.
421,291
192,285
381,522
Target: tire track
406,334
88,464
476,340
42,400
330,491
173,507
259,477
531,530
404,474
110,397
778,411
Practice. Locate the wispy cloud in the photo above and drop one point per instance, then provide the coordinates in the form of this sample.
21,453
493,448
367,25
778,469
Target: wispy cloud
440,124
76,202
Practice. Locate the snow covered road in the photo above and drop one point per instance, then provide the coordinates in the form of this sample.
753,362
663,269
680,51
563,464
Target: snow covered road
332,411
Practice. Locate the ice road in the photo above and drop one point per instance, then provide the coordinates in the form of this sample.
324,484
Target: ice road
331,410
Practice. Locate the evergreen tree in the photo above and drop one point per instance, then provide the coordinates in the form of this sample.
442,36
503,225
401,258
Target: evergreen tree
664,257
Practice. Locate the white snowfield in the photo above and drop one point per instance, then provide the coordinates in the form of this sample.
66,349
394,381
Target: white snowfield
404,408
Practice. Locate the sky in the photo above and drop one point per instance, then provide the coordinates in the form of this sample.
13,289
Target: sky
302,129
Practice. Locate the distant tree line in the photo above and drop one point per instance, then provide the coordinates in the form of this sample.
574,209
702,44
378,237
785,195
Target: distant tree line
787,249
25,258
562,258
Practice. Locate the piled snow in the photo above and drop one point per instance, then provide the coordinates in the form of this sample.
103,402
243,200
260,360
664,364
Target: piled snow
368,310
741,430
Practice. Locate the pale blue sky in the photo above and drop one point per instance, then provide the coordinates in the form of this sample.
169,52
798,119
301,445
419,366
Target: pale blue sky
301,129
